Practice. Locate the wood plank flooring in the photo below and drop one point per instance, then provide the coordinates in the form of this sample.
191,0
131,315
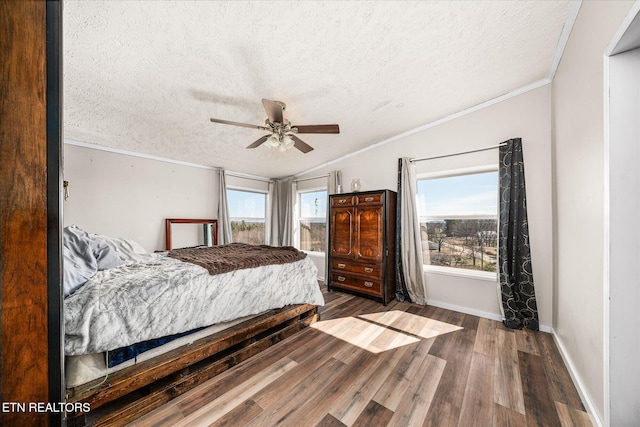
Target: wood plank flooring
368,365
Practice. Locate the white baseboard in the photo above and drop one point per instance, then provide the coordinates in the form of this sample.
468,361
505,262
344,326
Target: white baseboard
473,312
465,310
577,381
545,328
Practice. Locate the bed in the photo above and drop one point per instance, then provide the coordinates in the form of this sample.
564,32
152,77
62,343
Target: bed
179,317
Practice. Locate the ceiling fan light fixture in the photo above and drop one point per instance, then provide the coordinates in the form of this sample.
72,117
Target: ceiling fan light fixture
273,141
287,142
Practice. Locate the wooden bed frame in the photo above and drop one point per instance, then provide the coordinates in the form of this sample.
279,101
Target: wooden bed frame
136,390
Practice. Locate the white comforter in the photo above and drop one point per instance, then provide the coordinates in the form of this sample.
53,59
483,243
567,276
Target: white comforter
129,304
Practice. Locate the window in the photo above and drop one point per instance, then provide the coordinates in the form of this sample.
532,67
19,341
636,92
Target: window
312,220
247,211
459,215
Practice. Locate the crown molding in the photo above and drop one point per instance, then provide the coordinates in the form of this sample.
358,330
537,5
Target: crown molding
574,8
429,125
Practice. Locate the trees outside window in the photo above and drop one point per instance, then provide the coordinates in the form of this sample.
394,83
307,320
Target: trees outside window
459,220
312,220
247,211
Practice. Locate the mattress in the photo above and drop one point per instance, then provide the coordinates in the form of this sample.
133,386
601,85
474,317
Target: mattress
83,368
135,303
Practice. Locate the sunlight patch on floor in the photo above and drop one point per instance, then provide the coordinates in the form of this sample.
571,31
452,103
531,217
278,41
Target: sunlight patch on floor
366,335
411,323
378,332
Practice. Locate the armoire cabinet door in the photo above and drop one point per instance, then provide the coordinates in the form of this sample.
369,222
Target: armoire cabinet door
341,237
369,232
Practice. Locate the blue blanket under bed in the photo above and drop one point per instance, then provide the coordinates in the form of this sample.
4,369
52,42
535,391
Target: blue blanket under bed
122,354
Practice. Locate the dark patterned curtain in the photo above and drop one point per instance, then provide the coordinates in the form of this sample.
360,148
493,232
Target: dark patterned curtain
514,254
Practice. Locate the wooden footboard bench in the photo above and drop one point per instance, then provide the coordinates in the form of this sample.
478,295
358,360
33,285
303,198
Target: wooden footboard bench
134,391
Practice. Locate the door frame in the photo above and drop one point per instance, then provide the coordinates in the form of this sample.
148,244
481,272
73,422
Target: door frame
617,293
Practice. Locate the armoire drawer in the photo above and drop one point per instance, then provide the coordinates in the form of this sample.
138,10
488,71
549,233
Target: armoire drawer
369,270
366,286
369,199
342,201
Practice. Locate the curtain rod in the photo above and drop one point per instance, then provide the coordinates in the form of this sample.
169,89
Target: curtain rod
457,154
310,178
247,176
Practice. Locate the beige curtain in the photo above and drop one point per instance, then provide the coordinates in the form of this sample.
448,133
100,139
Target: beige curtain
334,186
282,202
224,222
410,240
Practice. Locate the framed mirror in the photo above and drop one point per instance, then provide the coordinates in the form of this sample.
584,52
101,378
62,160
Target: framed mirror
209,230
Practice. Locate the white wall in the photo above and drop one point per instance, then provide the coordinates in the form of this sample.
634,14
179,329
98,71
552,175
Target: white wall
578,149
128,196
527,116
125,196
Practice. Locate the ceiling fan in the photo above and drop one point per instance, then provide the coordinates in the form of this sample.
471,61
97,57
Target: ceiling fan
283,133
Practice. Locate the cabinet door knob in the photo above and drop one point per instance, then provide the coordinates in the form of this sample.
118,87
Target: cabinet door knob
368,270
342,201
341,279
368,284
341,266
368,199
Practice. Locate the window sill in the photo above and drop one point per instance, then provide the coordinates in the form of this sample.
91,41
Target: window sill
313,253
487,276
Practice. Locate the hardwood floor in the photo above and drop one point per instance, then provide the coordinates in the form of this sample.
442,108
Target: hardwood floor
368,365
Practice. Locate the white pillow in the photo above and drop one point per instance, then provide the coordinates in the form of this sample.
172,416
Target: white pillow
129,250
79,262
83,257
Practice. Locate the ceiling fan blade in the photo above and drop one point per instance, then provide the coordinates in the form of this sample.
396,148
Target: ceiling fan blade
300,144
244,125
274,110
317,129
259,142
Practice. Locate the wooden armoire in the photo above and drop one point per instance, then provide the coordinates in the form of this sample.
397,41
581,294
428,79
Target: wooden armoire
362,229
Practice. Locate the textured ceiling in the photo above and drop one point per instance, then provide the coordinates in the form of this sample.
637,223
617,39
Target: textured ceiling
147,76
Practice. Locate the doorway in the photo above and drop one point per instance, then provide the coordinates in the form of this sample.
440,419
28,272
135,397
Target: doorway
622,227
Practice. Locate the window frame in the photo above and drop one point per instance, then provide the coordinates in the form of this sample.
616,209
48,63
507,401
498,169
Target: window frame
266,206
299,217
455,271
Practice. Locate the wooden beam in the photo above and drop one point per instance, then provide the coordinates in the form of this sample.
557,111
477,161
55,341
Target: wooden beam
28,124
